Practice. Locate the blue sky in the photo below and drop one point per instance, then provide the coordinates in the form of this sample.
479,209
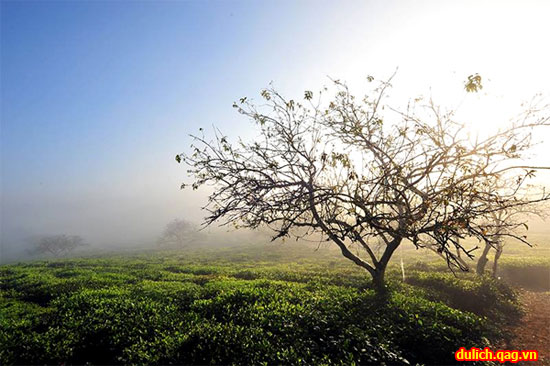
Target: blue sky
86,84
98,97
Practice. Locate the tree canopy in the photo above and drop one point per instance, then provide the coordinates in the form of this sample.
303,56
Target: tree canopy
178,233
58,245
362,174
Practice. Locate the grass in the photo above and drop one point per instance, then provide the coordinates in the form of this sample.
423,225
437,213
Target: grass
250,305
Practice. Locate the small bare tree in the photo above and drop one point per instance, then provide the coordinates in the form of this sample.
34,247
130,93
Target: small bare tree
57,245
343,171
509,223
179,234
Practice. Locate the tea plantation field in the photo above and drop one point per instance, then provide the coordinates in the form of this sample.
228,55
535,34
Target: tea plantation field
247,306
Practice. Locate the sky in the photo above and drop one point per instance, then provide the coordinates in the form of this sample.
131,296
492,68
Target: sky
97,97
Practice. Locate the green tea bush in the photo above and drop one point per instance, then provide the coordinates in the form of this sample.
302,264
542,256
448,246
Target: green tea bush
430,332
265,322
105,326
483,296
21,331
532,273
155,311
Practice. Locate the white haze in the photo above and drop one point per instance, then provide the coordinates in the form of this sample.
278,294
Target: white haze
126,202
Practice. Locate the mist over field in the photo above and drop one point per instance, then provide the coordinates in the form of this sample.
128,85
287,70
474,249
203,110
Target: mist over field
95,107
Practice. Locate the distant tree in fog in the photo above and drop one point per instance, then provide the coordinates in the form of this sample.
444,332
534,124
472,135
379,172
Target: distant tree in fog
179,233
343,169
57,245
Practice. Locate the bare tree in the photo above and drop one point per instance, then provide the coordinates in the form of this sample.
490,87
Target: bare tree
342,170
57,245
178,233
507,223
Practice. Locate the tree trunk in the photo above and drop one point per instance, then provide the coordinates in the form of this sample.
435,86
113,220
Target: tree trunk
380,270
482,262
378,282
495,263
